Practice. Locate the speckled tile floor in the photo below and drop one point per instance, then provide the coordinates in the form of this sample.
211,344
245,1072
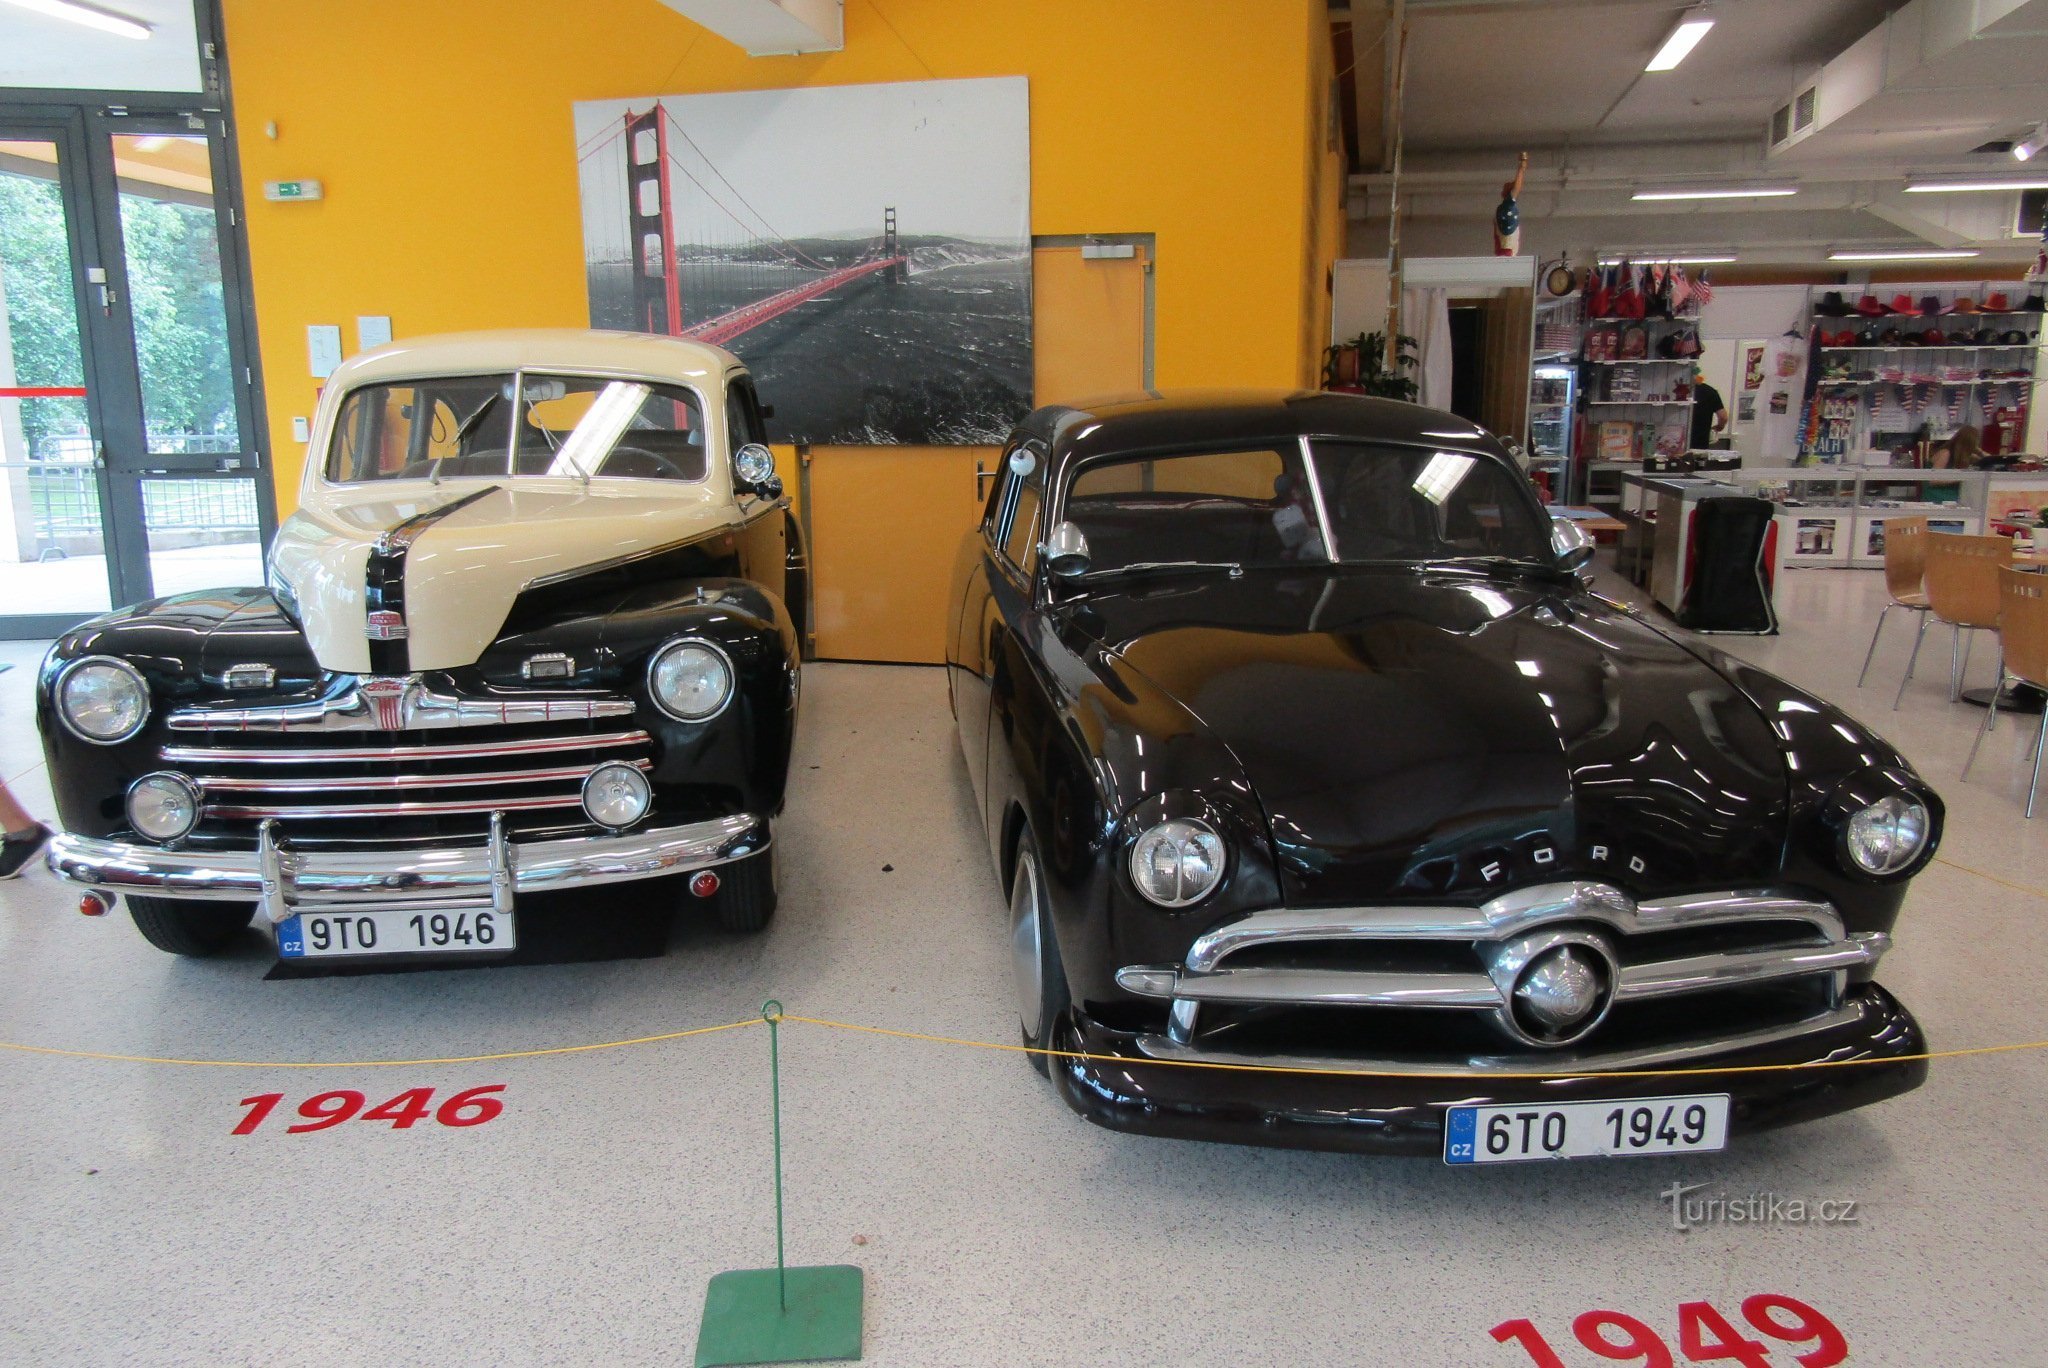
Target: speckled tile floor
994,1226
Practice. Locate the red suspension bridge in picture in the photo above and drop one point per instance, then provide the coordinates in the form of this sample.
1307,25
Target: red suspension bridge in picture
681,209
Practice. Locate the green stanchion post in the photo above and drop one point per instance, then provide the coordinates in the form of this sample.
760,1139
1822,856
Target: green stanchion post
813,1314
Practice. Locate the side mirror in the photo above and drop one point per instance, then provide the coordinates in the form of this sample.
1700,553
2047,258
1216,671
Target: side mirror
1065,552
1571,544
753,468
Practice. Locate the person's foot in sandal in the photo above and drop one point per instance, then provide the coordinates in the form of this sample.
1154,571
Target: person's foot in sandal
19,848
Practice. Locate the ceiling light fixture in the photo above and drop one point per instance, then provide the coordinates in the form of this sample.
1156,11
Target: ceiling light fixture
1966,187
1936,254
1739,192
91,16
1682,41
1668,260
2026,148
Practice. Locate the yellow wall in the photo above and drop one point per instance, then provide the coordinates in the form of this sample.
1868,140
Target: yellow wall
442,134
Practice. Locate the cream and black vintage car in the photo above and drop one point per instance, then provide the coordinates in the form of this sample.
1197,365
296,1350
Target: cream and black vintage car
535,626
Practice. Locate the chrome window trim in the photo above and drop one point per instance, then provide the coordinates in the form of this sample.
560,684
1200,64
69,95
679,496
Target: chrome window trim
732,676
71,667
1315,488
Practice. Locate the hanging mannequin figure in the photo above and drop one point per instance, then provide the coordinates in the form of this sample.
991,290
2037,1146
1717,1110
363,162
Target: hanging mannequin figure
1507,219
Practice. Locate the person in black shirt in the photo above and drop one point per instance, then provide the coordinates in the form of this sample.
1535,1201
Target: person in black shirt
1709,413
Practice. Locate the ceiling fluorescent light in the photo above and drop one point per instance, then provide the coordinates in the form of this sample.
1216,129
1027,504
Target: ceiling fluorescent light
1966,187
1938,254
1682,41
2026,148
92,16
1702,260
1749,192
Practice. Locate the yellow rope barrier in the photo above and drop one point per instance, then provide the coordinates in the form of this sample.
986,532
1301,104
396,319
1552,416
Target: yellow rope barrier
1993,878
376,1063
1465,1074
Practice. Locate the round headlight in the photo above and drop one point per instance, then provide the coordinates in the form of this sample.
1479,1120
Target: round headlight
1887,836
616,795
102,700
1177,862
163,806
691,681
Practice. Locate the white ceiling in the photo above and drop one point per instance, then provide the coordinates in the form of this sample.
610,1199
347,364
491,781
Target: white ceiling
41,52
1564,80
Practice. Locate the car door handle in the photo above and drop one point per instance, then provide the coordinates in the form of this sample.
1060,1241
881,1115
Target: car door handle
981,479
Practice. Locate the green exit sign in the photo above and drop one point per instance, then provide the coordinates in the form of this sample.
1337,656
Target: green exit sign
291,190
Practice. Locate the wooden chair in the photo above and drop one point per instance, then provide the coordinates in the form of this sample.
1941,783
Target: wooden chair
1905,573
1962,591
2023,631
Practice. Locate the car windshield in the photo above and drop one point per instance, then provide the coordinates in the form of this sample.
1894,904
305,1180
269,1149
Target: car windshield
1256,507
525,424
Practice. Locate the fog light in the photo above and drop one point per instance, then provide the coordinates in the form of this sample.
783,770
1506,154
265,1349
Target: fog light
163,806
616,795
704,883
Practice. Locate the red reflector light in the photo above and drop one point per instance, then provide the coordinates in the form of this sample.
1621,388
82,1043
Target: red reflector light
92,905
704,883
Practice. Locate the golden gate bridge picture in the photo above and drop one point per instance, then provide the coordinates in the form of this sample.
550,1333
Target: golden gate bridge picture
769,223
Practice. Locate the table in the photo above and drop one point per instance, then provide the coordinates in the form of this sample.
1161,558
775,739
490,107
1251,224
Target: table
1594,520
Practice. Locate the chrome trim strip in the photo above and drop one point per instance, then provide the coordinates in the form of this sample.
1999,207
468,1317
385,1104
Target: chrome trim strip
1330,987
1508,914
304,879
1315,489
454,806
417,708
1702,973
574,773
310,755
1559,1061
1357,988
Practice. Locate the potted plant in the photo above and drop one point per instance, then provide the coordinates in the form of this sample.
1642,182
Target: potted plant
1363,366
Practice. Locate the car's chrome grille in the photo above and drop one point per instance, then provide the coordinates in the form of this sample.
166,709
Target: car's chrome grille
1667,975
417,782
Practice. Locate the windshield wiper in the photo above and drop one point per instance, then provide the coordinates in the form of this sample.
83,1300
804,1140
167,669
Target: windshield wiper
1141,567
1486,564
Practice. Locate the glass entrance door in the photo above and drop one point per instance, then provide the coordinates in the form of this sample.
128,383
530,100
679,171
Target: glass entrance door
129,465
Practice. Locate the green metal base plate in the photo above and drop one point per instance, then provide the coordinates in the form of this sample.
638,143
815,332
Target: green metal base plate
744,1320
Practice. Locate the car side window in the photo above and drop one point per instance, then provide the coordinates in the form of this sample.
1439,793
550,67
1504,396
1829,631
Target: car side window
743,414
1020,542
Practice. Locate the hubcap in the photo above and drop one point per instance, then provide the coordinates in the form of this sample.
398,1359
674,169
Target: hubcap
1025,960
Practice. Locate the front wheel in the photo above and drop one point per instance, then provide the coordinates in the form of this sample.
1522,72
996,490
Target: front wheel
188,928
746,896
1041,978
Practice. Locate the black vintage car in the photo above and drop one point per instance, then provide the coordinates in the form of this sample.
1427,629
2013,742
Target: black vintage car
1301,745
533,628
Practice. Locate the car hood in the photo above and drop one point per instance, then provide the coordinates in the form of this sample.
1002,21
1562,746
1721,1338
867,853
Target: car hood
469,549
1425,734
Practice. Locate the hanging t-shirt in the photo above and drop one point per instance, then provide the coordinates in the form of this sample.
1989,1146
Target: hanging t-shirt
1778,403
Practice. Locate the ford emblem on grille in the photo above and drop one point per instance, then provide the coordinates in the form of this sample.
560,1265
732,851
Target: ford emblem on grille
1555,986
387,699
385,625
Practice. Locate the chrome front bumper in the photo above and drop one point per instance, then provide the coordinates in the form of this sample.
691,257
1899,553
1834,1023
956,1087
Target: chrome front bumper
285,881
